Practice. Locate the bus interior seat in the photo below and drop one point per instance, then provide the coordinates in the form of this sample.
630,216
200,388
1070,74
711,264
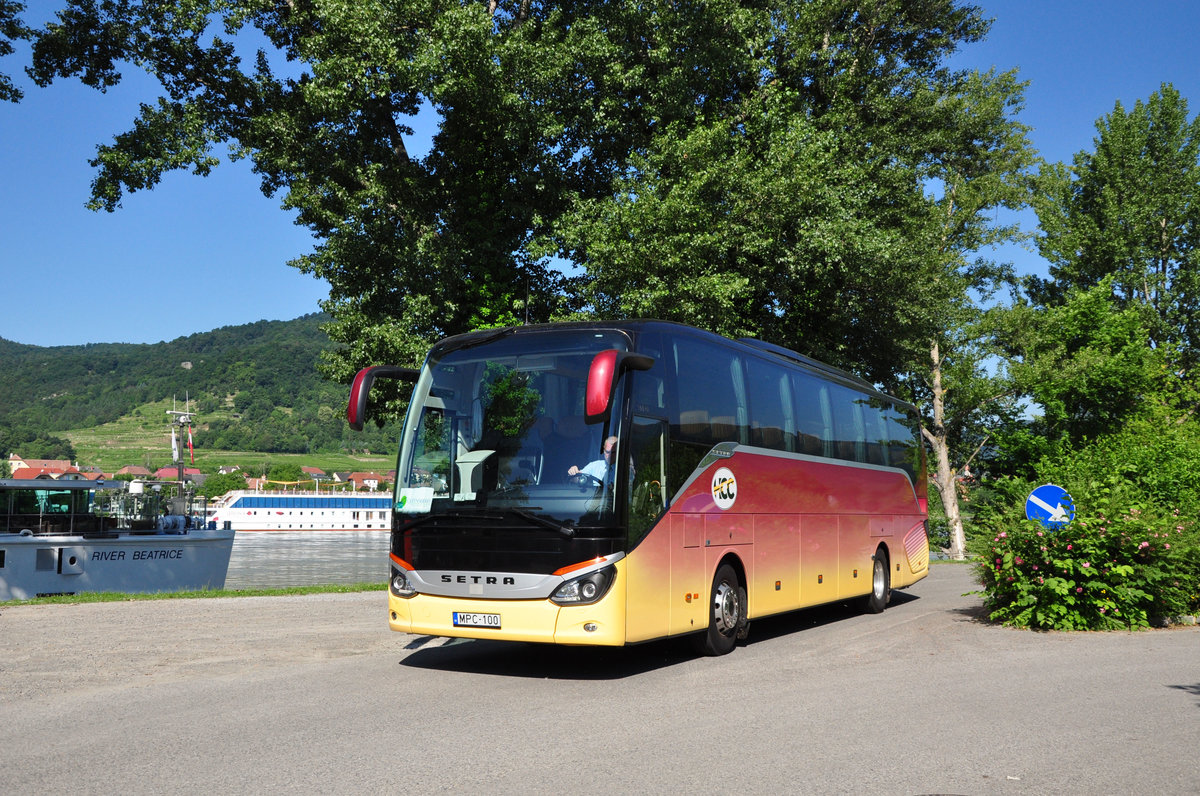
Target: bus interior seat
725,429
693,424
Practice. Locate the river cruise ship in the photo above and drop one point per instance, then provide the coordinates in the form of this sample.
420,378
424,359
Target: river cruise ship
250,510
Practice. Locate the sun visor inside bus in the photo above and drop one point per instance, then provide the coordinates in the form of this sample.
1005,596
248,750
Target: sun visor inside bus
606,367
360,390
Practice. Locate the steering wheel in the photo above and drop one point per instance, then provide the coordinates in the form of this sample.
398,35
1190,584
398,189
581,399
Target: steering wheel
585,479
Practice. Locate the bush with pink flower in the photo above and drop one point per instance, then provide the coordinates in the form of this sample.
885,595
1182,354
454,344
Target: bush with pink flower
1117,565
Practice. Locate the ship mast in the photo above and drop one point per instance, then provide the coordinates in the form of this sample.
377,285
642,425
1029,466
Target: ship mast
179,420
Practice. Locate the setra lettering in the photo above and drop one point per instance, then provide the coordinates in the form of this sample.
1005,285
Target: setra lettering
487,580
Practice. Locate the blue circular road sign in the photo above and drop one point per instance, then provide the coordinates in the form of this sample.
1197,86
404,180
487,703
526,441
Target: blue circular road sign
1051,506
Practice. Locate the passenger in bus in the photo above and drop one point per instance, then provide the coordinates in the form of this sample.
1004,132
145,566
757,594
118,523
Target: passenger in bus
599,468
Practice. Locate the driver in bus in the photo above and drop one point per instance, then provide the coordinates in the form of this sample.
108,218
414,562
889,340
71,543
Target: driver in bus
599,468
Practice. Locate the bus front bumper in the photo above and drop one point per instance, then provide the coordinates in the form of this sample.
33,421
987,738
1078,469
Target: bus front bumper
601,623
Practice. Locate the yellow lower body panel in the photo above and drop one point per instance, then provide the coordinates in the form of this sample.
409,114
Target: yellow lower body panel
601,623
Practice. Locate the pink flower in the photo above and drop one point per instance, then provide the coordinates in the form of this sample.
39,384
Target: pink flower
1035,566
1167,546
1041,534
1078,589
1086,564
1069,547
1003,534
1143,545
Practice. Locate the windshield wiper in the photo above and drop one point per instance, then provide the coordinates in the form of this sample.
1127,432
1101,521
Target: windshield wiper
565,530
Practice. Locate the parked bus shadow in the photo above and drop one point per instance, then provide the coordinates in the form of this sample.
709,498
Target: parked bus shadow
517,659
542,661
773,627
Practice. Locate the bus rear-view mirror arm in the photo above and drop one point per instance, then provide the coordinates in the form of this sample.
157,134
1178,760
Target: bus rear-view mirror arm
360,389
606,368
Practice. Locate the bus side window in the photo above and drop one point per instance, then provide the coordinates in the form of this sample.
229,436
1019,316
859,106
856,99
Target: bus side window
772,425
649,387
814,419
904,452
874,413
849,434
709,389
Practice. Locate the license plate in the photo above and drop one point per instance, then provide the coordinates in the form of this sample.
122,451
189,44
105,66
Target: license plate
462,619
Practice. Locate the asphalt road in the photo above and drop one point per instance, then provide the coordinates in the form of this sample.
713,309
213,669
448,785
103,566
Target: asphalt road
314,694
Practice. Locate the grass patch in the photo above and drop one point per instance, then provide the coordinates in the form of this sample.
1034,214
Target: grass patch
115,597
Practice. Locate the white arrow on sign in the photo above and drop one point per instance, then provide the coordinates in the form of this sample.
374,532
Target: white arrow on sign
1057,513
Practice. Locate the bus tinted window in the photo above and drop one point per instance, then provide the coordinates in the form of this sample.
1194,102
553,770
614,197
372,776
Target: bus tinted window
849,433
649,387
712,408
769,393
814,419
878,437
903,445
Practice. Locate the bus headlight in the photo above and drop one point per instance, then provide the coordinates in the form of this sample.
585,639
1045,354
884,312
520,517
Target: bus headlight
399,584
585,589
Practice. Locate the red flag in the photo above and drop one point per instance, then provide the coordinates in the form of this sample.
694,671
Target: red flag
191,452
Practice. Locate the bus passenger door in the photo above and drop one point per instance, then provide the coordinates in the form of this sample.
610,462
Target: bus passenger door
648,593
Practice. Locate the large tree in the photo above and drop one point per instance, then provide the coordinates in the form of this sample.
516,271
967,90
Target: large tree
11,29
1128,215
794,209
544,109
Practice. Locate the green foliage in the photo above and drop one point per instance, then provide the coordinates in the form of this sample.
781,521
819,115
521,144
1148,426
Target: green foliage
1088,363
31,444
761,161
1118,566
1133,552
286,473
216,485
268,370
11,29
1127,216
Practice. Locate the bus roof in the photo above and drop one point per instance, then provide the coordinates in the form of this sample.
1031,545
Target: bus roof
634,326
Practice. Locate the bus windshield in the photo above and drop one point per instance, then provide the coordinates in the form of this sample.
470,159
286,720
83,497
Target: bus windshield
499,426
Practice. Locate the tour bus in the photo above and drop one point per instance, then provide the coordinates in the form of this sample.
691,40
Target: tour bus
612,483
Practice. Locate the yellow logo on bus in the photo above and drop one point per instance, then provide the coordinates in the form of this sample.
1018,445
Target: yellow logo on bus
724,488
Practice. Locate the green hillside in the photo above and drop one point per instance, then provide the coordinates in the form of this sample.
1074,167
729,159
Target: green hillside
255,388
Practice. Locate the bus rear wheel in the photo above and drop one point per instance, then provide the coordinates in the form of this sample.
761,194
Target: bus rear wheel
726,615
881,584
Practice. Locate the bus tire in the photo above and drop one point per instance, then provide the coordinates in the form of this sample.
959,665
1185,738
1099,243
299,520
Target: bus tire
726,614
881,583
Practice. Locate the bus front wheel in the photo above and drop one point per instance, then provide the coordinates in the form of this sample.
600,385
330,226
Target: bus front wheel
726,615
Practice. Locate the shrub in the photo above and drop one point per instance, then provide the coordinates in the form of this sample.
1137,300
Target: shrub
1120,565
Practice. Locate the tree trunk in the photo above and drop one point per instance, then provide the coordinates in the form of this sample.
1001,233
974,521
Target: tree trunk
945,479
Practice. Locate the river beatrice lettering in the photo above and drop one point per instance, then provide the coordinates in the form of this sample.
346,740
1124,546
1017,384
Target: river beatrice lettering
136,555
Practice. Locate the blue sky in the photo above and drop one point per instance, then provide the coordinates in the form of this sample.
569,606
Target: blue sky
197,253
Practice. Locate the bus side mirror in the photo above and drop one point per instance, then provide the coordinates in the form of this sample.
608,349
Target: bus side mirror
606,368
360,389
